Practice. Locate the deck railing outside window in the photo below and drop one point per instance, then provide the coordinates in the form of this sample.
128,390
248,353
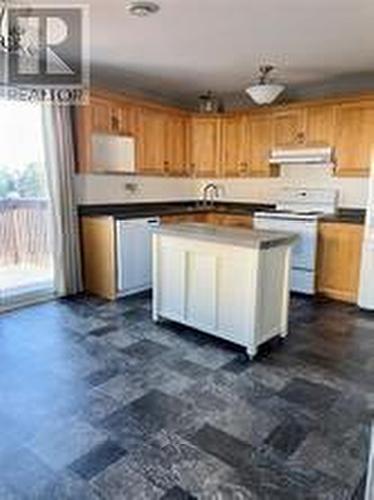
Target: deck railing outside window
26,264
25,232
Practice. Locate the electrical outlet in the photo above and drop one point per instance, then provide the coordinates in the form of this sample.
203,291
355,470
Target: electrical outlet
131,187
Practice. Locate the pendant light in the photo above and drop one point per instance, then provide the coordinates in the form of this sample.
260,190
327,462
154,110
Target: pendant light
265,92
208,103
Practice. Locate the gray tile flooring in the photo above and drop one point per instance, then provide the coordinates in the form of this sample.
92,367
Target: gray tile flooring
97,402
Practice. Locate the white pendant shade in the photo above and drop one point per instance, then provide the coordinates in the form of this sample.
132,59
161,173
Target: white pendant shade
264,93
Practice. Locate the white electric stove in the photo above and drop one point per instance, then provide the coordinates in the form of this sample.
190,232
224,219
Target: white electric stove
298,210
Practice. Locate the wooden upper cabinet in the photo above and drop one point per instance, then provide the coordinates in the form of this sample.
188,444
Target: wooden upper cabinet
129,120
305,126
235,146
320,125
151,141
354,138
176,145
171,142
339,260
204,141
260,132
106,116
288,127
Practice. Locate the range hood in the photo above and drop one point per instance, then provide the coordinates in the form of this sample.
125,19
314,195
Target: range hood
313,155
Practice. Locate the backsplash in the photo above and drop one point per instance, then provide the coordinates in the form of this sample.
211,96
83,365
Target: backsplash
353,192
96,189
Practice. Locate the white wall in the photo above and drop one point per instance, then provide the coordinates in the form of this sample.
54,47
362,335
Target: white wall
353,192
112,189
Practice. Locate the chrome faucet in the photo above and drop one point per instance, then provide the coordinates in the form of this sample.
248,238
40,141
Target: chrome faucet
213,190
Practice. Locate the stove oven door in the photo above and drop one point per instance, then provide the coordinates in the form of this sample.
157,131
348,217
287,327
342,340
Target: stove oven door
304,252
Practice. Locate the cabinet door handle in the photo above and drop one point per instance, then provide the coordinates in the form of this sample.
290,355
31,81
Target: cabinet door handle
300,137
115,123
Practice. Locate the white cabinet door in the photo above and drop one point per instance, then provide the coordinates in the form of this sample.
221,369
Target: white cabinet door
201,290
172,276
134,255
233,294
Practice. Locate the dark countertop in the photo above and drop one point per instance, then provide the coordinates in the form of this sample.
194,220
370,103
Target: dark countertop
348,215
148,209
151,209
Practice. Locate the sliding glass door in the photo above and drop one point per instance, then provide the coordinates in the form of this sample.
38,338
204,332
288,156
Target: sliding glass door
26,264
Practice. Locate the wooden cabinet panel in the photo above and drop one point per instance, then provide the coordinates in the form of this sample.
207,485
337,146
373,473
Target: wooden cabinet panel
304,126
204,146
129,120
339,260
260,131
106,116
176,146
98,253
320,125
151,141
288,127
355,139
245,221
175,219
235,146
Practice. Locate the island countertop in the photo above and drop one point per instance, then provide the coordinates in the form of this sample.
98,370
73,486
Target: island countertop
250,238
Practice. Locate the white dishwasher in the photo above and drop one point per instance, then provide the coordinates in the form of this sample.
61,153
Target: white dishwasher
134,255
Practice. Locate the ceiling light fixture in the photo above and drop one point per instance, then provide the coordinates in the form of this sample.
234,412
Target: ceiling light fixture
142,9
265,92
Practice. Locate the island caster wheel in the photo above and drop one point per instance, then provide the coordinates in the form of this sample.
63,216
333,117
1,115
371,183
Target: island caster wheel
251,354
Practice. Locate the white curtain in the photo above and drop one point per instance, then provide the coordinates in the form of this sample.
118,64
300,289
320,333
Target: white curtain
60,163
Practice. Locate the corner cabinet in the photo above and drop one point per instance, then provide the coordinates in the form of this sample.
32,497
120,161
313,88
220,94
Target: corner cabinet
339,260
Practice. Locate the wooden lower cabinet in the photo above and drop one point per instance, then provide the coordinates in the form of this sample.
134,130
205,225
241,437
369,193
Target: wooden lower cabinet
339,260
176,219
98,254
244,221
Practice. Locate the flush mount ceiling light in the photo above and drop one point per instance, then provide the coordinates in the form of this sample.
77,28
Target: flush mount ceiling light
142,9
264,92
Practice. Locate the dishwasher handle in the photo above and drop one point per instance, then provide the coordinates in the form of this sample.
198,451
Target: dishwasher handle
153,222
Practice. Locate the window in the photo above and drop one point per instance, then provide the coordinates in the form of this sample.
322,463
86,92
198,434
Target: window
26,264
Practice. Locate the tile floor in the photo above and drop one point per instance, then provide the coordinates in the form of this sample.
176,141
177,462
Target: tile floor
97,402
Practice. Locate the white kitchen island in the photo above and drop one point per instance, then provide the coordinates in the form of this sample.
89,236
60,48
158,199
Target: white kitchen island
229,282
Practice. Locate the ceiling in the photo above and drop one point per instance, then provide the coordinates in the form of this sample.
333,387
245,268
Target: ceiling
194,45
